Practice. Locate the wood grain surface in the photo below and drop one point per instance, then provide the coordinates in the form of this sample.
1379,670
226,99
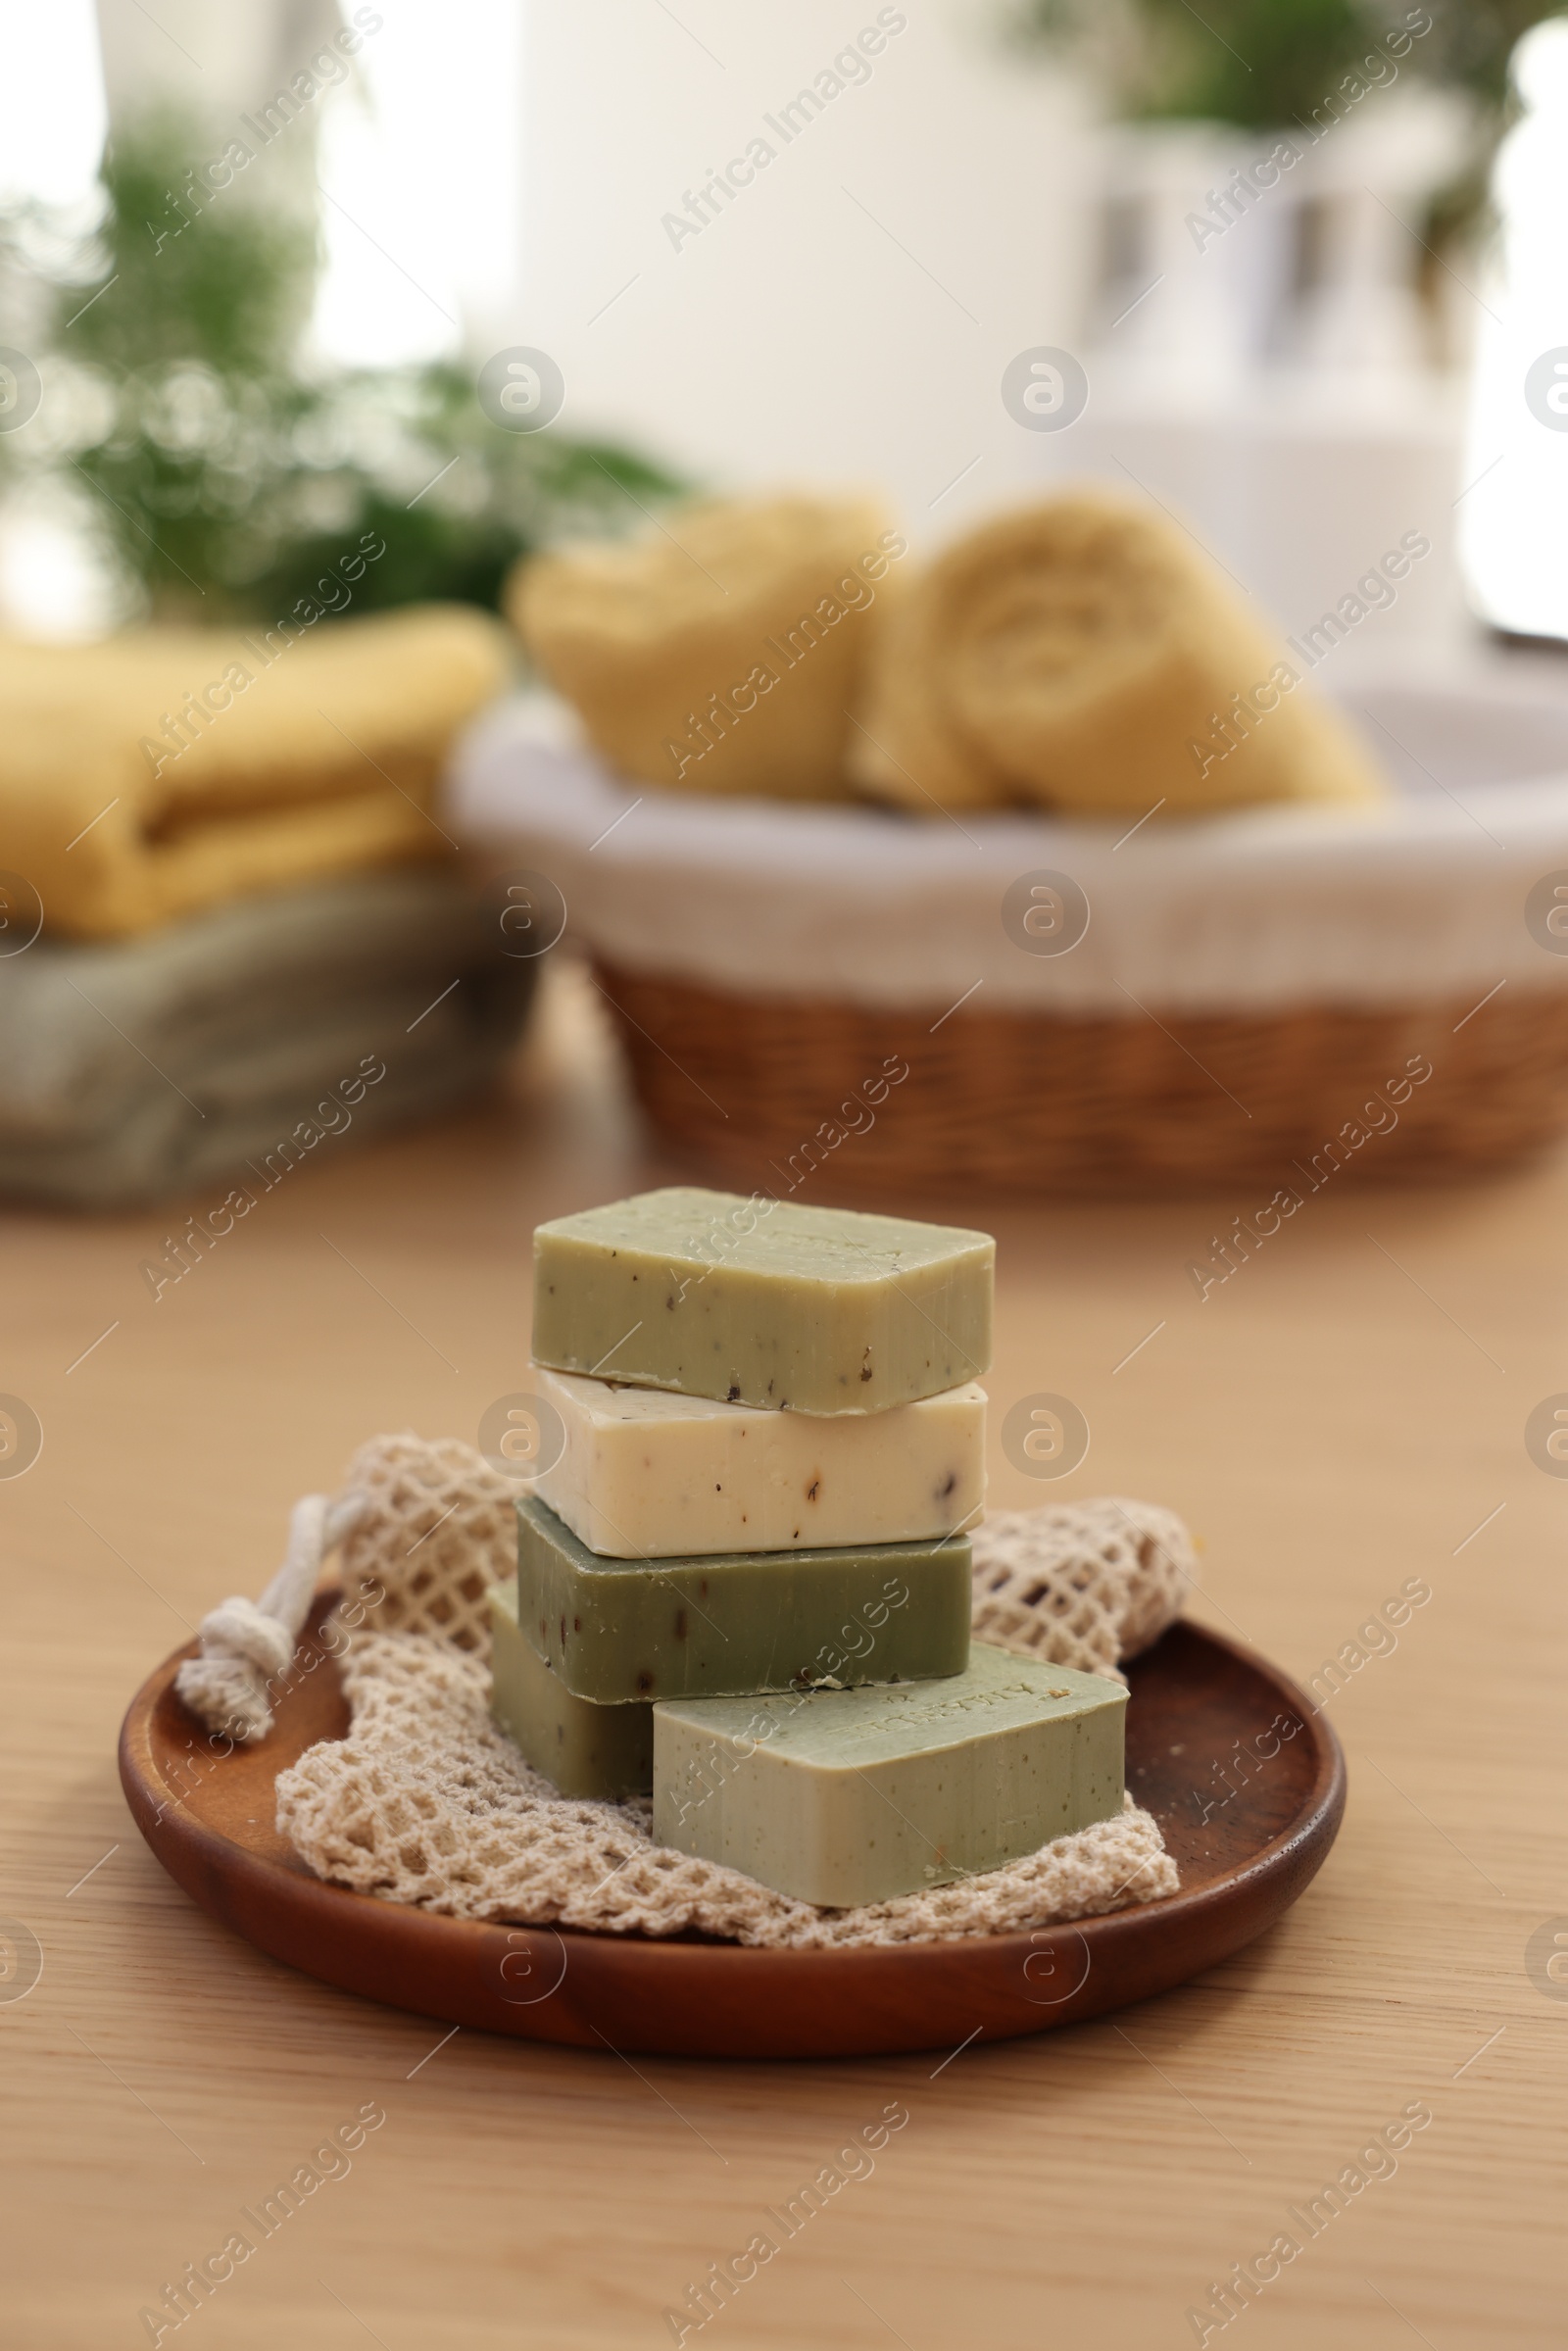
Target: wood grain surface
1344,1416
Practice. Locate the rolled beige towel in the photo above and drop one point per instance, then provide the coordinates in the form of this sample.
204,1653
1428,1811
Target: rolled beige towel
721,653
1084,654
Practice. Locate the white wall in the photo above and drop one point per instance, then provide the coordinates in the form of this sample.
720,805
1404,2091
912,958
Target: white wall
796,338
1517,453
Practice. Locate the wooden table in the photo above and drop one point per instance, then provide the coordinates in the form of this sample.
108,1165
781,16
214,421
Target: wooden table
1345,1413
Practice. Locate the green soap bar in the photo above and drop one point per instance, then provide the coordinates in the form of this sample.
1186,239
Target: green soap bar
586,1751
842,1796
765,1303
621,1630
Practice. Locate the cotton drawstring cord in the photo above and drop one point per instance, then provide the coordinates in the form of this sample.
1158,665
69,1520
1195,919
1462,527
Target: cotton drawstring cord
247,1645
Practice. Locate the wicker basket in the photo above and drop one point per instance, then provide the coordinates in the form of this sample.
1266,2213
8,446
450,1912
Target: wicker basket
1240,994
1013,1102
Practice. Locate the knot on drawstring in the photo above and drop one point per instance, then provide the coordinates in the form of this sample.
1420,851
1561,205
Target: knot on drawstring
247,1645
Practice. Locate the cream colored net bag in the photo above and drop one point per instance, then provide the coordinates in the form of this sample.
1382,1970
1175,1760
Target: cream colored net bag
426,1802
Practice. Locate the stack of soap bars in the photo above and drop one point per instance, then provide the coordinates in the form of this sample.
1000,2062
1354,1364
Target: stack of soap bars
744,1573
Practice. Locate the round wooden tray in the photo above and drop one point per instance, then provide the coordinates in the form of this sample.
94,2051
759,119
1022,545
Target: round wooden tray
1204,1717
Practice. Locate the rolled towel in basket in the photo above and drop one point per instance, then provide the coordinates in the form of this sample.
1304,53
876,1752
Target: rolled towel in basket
721,654
1082,654
172,770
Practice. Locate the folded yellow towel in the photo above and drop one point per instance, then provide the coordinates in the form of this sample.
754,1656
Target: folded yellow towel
169,770
720,652
1084,654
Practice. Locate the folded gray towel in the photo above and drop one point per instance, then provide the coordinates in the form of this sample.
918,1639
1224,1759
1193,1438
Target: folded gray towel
247,1036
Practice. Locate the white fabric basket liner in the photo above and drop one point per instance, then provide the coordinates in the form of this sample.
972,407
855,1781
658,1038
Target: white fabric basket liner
1264,911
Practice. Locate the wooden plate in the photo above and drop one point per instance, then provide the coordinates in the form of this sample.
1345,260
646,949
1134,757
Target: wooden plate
1206,1716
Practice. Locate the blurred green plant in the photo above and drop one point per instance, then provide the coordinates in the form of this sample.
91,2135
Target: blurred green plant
225,472
1264,64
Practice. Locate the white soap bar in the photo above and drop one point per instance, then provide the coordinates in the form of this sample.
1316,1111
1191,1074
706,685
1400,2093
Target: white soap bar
650,1475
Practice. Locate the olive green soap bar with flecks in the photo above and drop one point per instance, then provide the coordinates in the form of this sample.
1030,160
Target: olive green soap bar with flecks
584,1750
762,1302
844,1796
624,1631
